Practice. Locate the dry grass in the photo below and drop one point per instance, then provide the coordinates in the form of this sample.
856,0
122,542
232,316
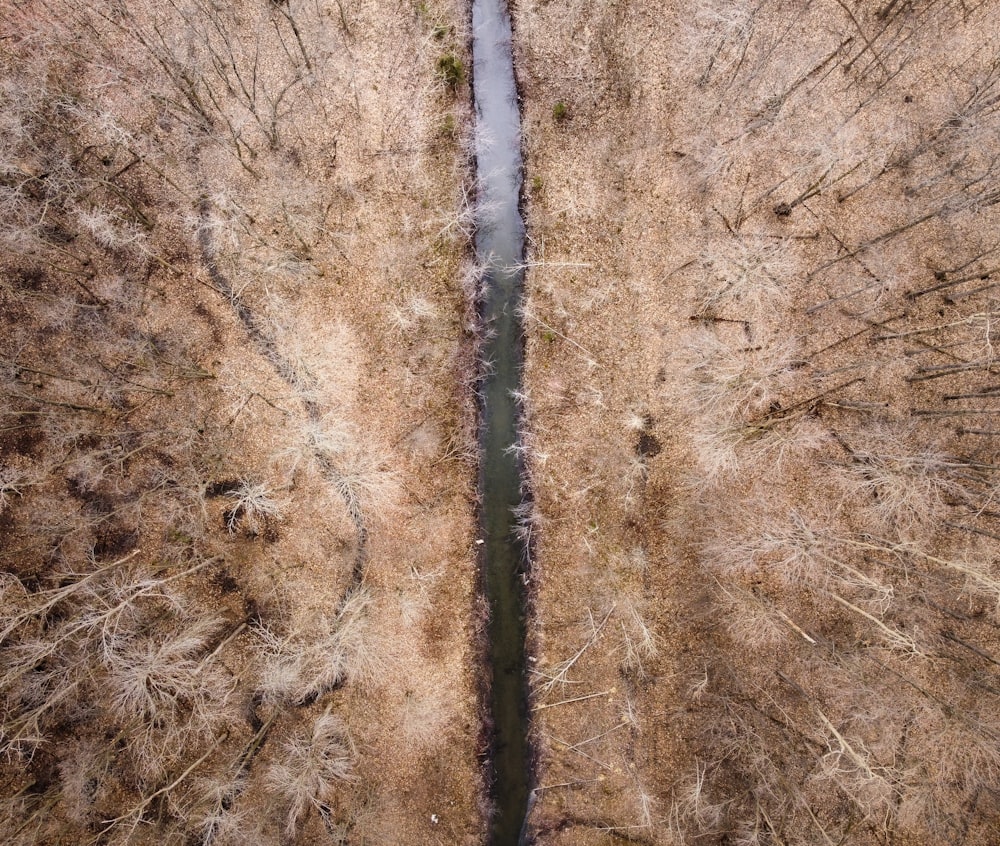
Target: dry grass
203,398
795,211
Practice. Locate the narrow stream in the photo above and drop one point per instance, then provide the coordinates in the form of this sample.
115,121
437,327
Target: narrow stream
500,250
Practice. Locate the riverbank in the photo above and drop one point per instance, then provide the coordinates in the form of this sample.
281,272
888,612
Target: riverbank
233,239
760,240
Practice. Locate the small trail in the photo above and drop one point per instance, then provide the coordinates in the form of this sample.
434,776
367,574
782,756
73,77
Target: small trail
267,347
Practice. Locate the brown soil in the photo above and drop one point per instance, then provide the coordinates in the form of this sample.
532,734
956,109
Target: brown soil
237,463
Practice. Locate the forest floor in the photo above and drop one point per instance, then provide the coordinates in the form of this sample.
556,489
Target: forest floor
238,447
237,435
761,384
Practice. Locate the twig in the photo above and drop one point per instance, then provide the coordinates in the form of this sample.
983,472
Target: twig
566,666
569,701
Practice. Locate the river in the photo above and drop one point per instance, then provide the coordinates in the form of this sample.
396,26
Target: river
499,245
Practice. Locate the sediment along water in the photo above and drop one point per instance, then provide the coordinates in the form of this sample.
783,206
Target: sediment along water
500,252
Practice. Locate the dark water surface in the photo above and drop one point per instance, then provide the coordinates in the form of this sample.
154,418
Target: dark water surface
500,250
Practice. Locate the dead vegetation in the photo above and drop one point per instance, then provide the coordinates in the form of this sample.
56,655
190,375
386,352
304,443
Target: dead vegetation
791,221
206,214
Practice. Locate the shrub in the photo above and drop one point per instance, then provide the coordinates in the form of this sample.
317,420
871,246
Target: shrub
451,70
254,505
304,666
311,766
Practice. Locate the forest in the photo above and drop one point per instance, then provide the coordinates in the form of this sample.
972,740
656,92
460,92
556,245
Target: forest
240,598
237,459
